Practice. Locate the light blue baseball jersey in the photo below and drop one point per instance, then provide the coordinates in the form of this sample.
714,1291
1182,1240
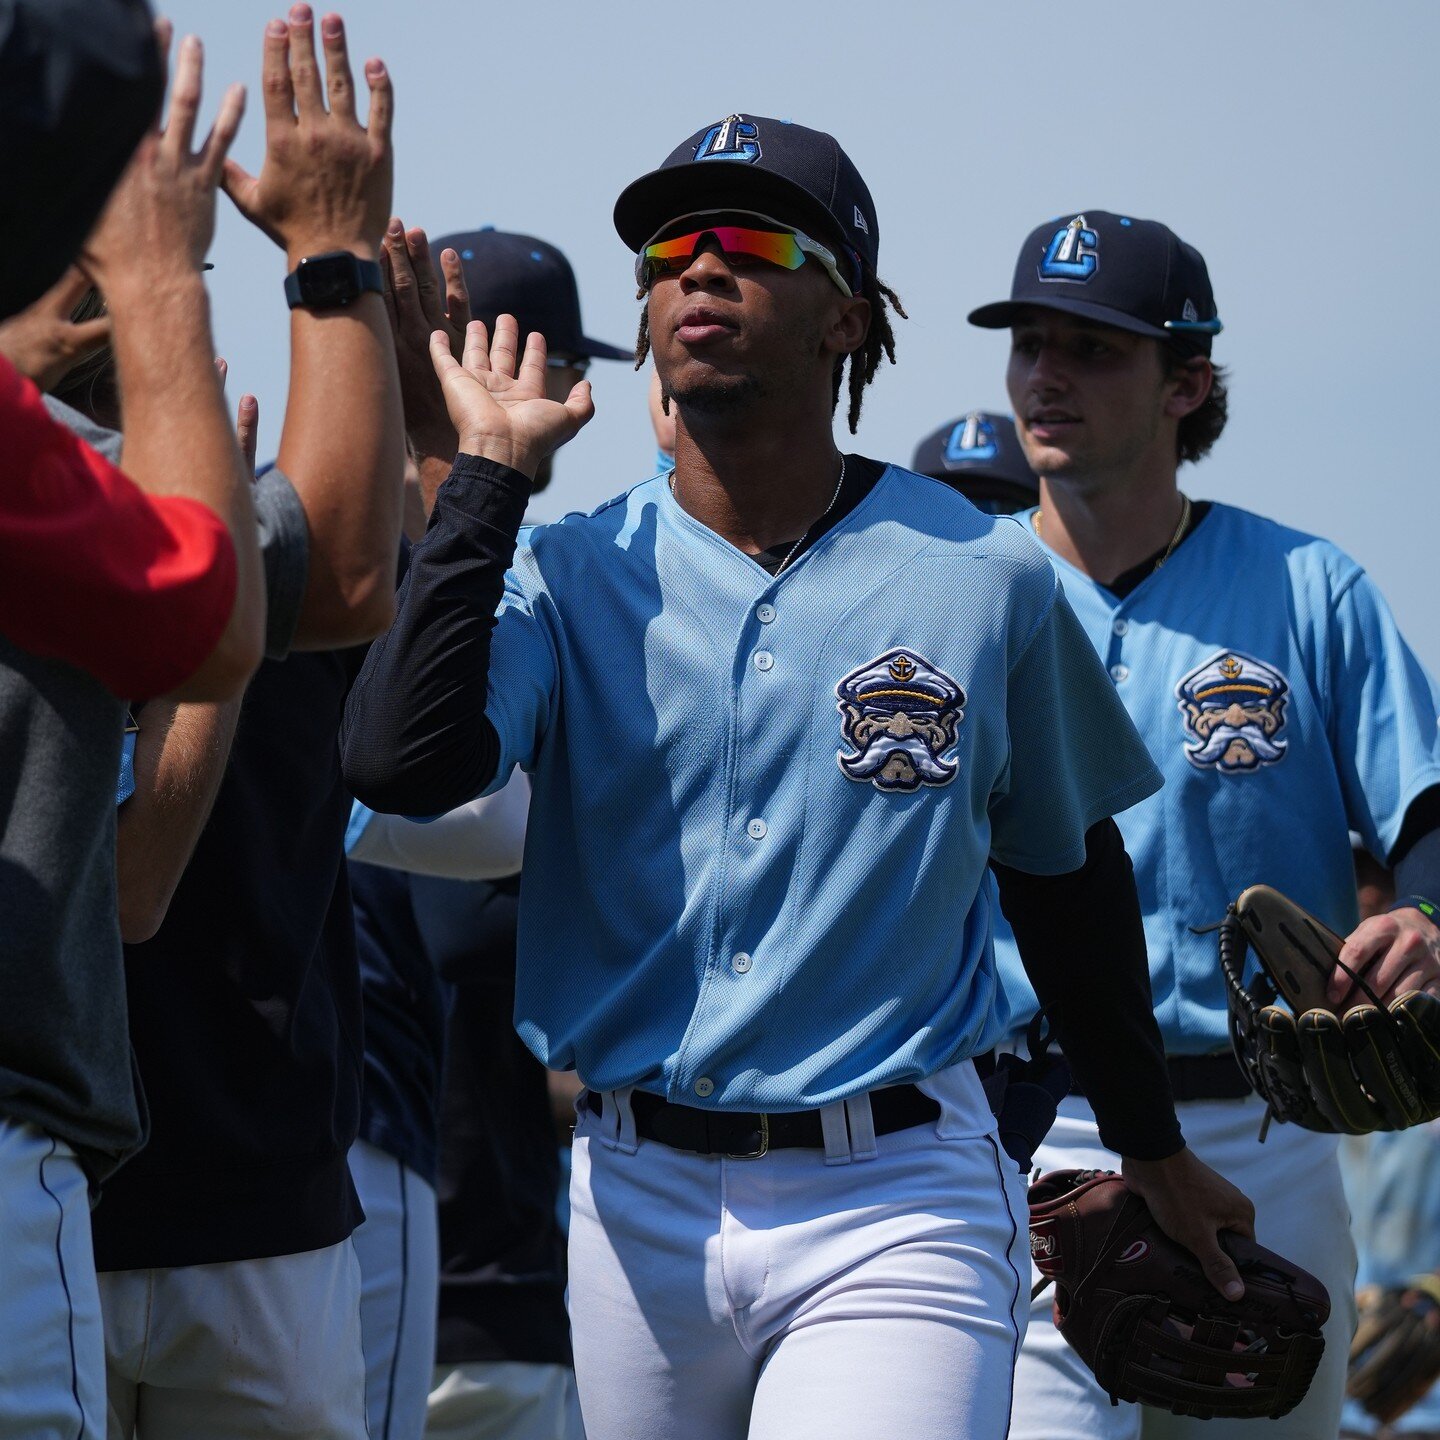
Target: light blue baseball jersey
1276,694
763,806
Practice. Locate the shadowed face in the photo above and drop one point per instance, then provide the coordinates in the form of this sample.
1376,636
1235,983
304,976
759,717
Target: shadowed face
732,328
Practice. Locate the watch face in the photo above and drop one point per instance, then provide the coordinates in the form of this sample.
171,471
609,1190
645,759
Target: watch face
328,279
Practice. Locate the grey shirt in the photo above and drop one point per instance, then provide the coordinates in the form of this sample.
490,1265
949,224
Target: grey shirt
65,1063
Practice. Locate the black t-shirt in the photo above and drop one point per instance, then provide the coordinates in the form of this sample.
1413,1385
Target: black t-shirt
245,1007
404,1019
502,1256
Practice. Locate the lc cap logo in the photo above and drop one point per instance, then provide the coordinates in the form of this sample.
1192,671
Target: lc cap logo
972,439
734,138
1073,253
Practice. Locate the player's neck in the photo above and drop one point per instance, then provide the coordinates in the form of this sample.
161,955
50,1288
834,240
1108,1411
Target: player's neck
756,485
1105,529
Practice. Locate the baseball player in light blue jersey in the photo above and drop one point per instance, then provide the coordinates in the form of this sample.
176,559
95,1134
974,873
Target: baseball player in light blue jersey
791,718
1273,690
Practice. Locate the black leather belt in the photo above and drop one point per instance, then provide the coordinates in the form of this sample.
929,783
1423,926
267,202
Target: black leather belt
747,1135
1199,1077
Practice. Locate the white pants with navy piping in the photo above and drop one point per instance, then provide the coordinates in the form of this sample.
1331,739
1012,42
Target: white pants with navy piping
876,1288
1293,1180
52,1346
399,1251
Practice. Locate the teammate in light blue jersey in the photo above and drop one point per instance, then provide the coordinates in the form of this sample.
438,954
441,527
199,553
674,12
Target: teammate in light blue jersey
792,718
1274,691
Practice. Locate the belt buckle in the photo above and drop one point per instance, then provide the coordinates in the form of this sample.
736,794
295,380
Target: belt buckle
764,1143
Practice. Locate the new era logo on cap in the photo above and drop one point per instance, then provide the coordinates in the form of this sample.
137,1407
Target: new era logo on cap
861,223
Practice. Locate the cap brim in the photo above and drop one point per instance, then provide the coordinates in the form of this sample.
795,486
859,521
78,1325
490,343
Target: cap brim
1001,315
654,200
599,350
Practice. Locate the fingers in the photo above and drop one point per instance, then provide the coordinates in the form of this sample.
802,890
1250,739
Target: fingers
185,97
503,346
240,185
580,403
247,430
222,133
339,84
304,72
418,246
477,347
389,294
1369,939
457,292
404,287
382,101
440,357
532,365
275,84
222,369
90,334
68,291
1219,1269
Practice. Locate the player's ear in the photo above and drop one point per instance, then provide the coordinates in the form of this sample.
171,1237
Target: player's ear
1188,383
851,325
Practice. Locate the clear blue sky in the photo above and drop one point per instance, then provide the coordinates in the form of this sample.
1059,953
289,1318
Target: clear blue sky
1295,144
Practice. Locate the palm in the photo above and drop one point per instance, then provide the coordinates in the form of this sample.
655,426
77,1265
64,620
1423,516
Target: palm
499,411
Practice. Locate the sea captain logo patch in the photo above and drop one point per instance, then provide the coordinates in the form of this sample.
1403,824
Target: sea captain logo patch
1234,709
899,715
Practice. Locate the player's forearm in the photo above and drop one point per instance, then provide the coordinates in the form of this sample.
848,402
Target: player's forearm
179,441
180,756
343,449
1082,941
416,739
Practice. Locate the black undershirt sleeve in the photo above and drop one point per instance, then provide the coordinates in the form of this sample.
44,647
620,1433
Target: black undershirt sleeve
1082,942
416,739
1416,856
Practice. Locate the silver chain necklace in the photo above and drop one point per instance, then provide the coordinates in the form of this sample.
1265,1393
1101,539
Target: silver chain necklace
779,569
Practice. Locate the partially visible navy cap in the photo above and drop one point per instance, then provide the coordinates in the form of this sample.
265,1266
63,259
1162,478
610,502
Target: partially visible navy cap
980,455
80,82
1137,275
530,279
749,162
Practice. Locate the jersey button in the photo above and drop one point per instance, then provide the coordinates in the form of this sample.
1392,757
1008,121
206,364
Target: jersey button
765,613
1120,627
764,660
704,1086
756,829
741,963
1119,673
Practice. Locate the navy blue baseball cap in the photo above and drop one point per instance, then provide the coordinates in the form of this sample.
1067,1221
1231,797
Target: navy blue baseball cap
980,456
1136,275
749,162
530,279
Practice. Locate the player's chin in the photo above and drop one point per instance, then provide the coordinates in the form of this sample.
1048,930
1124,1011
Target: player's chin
711,388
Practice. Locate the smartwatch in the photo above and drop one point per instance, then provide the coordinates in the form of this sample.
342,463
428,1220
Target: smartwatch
331,280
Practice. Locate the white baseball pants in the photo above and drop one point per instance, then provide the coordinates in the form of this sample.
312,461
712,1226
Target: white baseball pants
873,1289
1293,1179
503,1400
52,1349
246,1350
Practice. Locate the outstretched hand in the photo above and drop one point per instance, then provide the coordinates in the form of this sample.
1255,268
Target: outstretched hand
498,411
43,343
326,181
1191,1203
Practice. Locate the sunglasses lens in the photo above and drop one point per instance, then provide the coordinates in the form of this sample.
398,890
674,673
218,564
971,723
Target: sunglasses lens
669,257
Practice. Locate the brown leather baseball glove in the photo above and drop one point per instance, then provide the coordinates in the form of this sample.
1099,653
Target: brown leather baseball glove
1137,1307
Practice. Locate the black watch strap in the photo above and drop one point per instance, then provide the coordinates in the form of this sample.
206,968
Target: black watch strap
332,280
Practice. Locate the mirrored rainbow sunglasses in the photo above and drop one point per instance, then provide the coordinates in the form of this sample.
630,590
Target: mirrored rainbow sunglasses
779,245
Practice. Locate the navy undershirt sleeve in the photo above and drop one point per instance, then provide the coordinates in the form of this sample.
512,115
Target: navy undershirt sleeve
416,739
1082,942
1416,856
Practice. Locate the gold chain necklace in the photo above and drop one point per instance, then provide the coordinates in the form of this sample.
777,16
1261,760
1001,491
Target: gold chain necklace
1175,539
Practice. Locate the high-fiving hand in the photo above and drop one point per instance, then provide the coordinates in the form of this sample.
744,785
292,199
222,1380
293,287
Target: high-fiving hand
500,412
326,181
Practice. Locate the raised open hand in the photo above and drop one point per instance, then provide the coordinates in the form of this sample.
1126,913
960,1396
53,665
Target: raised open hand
417,309
326,181
498,411
161,216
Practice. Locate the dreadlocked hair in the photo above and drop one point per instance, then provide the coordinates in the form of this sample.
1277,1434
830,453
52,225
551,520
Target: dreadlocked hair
879,343
864,362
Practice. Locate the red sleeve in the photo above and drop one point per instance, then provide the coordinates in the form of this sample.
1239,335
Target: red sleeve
137,589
